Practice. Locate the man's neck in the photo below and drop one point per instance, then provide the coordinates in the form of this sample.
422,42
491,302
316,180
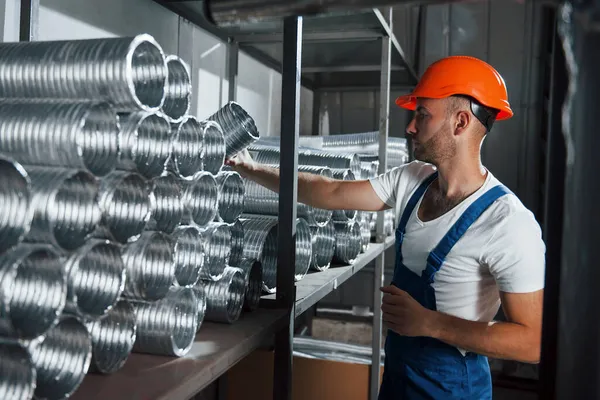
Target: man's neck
461,176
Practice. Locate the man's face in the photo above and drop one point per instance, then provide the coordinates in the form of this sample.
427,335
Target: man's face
431,131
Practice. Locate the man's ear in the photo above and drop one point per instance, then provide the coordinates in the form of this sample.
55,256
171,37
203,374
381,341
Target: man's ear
463,119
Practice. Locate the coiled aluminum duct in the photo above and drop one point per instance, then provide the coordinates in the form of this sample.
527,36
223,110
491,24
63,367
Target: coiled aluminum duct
95,278
348,241
62,358
368,169
17,374
237,243
225,297
74,135
261,243
200,199
126,201
323,246
66,206
364,219
367,144
167,326
146,142
113,337
216,239
189,255
253,275
34,290
178,89
201,298
187,153
344,215
231,196
313,157
238,127
167,208
16,213
128,72
214,147
150,265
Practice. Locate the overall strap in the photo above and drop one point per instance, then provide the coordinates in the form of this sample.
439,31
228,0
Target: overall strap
438,254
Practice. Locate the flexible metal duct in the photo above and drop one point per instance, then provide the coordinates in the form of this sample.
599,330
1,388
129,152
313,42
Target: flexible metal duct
167,326
225,297
368,169
348,242
16,213
178,89
200,199
150,264
17,374
323,246
34,290
364,219
201,298
237,243
61,357
66,206
261,243
167,208
344,215
187,153
146,142
95,278
189,255
231,196
113,337
389,222
216,239
320,217
128,72
214,147
238,127
74,135
253,274
126,201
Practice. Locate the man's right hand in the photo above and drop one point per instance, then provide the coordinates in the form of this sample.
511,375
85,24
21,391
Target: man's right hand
242,162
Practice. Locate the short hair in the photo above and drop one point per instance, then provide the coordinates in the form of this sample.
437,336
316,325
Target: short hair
459,101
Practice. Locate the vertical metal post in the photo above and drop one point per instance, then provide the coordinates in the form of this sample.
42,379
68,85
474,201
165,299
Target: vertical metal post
578,362
288,193
233,50
28,29
384,124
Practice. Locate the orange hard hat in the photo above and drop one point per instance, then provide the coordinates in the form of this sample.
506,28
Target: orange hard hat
461,75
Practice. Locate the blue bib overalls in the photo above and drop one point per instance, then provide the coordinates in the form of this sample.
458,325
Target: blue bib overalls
422,367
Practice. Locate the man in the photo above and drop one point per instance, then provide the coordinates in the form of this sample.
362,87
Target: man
464,243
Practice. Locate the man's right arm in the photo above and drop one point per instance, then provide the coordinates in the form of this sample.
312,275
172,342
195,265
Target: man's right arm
315,190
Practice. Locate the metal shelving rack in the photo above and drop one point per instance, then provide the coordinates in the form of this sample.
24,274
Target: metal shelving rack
321,52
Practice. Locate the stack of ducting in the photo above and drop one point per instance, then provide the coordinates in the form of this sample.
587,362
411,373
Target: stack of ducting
117,222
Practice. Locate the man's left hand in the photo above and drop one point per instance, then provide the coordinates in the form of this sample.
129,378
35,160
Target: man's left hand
403,314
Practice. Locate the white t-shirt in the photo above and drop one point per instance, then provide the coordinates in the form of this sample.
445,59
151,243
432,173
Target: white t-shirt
503,249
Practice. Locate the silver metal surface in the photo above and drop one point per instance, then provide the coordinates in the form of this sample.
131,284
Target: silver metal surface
150,264
187,153
189,255
237,242
126,201
146,142
225,297
323,246
368,169
16,213
66,206
113,337
214,147
167,326
238,127
199,291
34,291
167,208
200,199
345,175
178,89
216,239
348,241
17,374
96,278
364,219
74,135
128,72
317,216
313,157
253,274
231,196
62,358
